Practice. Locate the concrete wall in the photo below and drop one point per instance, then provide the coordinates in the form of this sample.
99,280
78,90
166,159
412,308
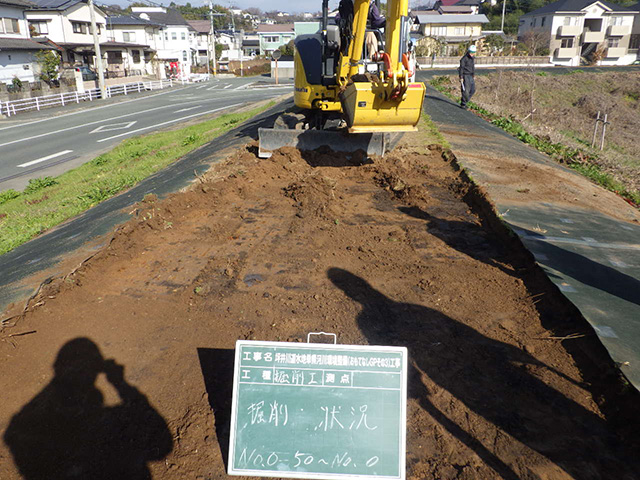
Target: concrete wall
16,63
286,70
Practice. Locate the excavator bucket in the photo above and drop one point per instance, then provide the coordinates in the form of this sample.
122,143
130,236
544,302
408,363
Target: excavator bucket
365,109
372,143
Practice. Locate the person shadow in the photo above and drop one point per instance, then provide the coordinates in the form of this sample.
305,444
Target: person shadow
466,237
490,378
66,431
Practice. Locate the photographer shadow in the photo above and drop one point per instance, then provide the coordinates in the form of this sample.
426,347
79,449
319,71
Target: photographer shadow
66,431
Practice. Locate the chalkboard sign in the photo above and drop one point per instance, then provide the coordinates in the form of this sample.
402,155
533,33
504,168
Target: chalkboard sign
318,411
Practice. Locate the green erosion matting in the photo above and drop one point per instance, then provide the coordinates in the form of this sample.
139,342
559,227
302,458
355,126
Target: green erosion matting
595,262
594,259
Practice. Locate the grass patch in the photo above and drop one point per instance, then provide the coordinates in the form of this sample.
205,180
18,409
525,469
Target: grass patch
576,158
47,202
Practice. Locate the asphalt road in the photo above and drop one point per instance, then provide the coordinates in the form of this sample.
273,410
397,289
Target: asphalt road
53,141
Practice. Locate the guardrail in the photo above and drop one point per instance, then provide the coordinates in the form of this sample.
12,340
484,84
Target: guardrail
14,107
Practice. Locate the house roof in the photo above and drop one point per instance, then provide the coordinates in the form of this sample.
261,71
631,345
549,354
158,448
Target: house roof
472,3
574,6
23,44
17,3
447,3
200,26
457,8
124,45
168,17
54,4
277,28
635,7
453,18
128,20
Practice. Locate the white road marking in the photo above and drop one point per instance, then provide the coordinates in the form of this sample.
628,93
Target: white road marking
44,159
227,86
187,109
114,126
212,88
87,124
170,121
93,109
246,85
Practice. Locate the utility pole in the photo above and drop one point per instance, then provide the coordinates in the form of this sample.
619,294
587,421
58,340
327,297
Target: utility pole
504,5
96,46
212,35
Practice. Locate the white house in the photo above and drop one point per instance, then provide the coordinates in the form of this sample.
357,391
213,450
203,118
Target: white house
576,29
68,24
178,48
203,43
634,41
17,49
137,40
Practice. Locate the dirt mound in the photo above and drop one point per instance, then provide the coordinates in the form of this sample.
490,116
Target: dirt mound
379,251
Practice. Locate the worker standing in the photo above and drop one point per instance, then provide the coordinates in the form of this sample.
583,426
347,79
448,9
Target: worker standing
466,72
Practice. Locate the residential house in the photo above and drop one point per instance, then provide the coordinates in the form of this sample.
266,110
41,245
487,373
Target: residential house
251,45
634,41
576,29
68,24
203,43
177,51
131,46
231,42
304,28
474,4
272,37
17,49
451,30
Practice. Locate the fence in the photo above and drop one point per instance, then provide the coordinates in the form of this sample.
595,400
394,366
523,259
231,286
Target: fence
497,60
13,107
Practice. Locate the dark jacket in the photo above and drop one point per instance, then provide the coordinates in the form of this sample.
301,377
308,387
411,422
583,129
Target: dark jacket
467,66
375,19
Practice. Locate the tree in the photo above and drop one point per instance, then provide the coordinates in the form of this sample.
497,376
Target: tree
49,61
288,49
494,42
536,42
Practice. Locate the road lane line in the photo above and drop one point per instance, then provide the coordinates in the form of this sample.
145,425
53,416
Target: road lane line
26,139
227,86
92,109
44,159
167,123
187,109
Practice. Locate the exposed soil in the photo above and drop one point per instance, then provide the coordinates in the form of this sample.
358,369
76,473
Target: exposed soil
385,252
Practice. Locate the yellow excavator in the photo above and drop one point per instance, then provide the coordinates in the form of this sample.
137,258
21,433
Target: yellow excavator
350,94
